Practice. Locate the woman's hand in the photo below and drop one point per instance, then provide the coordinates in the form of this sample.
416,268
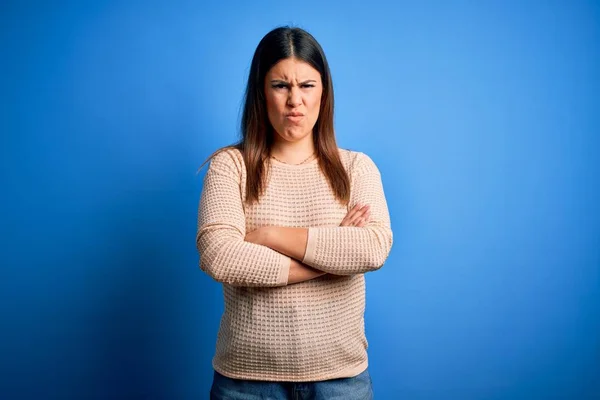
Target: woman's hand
358,216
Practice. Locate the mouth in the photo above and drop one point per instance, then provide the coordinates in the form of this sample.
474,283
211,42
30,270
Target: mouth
294,117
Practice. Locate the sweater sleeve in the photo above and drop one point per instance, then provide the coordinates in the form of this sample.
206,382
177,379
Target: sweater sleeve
224,254
353,250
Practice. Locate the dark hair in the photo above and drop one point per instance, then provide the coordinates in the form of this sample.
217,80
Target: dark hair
256,130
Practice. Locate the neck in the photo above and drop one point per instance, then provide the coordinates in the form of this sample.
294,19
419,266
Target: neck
293,153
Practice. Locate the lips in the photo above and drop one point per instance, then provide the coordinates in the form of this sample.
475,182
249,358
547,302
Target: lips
294,117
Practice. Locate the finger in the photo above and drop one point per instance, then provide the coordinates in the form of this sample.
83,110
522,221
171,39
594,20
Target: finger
350,215
356,218
345,222
359,213
364,219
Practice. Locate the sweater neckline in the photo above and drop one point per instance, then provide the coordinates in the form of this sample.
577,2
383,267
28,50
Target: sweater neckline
280,164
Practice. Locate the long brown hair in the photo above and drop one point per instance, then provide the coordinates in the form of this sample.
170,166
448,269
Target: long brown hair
256,130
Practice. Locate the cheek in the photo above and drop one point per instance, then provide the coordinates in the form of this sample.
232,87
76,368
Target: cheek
315,104
274,103
272,109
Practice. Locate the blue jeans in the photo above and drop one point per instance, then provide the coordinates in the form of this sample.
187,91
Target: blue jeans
355,388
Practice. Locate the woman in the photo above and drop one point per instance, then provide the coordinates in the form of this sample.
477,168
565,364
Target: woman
289,224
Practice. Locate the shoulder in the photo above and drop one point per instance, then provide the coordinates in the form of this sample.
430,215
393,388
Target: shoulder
357,163
228,161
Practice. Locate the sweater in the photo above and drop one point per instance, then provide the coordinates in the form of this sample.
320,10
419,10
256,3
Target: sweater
308,331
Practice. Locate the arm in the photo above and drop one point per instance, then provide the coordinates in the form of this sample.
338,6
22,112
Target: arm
284,240
293,242
351,250
224,254
301,273
343,250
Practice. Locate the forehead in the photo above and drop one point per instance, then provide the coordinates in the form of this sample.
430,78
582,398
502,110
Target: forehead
293,69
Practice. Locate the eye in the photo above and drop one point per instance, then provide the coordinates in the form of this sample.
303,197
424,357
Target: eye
280,85
308,85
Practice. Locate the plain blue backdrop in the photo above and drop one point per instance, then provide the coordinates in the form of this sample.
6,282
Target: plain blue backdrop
483,118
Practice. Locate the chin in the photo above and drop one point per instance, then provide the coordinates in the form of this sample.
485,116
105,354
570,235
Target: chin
292,135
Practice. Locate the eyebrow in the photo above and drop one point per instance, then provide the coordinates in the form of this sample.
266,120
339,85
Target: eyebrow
301,83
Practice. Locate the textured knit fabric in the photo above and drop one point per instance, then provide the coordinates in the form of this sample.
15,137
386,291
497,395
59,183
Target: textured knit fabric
308,331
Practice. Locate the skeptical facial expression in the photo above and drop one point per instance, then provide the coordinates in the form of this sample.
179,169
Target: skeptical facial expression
293,91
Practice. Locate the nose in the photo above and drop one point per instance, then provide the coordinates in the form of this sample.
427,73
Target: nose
294,97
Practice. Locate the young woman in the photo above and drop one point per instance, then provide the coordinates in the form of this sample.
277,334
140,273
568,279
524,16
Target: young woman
289,224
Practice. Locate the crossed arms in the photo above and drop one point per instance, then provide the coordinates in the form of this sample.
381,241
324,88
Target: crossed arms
292,242
278,256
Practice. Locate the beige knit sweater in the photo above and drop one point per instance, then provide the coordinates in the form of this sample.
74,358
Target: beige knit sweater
307,331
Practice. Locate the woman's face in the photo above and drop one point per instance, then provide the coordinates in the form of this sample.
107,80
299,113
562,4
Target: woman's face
293,91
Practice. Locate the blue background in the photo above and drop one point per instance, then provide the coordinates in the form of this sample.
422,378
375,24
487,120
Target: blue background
483,118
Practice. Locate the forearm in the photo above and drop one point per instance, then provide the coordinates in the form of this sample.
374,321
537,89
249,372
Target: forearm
348,250
232,267
288,241
228,259
302,273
